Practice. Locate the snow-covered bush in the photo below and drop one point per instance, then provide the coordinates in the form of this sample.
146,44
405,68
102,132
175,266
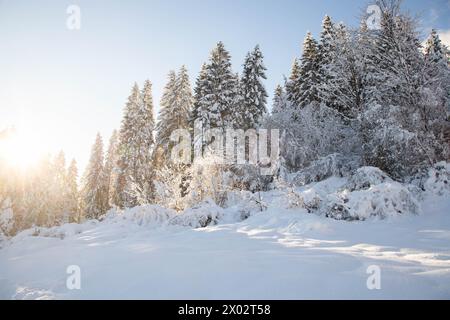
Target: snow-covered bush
365,177
146,215
209,178
334,164
204,214
370,192
438,181
6,219
245,203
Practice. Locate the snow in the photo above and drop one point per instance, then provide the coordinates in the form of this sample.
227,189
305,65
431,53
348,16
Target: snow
291,250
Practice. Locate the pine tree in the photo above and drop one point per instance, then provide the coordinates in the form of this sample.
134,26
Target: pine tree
294,83
343,84
176,109
94,183
402,117
437,59
197,112
110,167
254,95
326,49
221,90
167,117
72,195
280,103
309,73
60,188
127,152
134,166
185,99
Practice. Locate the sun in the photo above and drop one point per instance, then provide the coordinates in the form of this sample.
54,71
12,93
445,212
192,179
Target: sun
21,149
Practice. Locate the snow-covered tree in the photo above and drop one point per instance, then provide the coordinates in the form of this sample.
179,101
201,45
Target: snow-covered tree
294,83
280,101
400,119
254,95
198,109
309,73
325,51
220,92
343,84
437,59
72,198
95,198
175,112
110,167
134,166
60,185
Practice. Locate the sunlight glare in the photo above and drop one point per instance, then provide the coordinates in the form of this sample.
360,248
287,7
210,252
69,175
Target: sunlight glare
22,148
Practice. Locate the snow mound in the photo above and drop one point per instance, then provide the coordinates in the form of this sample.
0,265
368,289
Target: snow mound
438,181
332,165
147,215
370,197
204,214
366,177
368,192
61,232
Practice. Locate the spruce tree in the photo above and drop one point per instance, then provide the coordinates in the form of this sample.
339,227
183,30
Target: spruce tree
94,183
60,187
326,49
134,164
280,101
110,167
254,95
176,109
309,73
197,112
221,90
72,196
294,83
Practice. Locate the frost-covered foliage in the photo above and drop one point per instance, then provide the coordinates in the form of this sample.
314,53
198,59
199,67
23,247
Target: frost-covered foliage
147,215
209,178
438,181
366,177
332,165
217,91
382,200
366,192
199,216
382,98
44,195
253,92
95,184
316,132
371,192
176,105
134,164
6,219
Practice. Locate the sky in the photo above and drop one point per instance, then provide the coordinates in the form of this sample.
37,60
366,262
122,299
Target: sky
60,86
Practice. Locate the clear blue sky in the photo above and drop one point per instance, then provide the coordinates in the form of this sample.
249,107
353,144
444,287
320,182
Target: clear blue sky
64,85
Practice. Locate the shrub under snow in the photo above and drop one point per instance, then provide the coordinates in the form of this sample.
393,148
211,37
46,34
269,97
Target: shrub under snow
382,200
332,165
143,215
204,214
368,192
365,177
438,181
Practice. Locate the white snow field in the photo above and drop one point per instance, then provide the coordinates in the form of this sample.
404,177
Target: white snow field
283,252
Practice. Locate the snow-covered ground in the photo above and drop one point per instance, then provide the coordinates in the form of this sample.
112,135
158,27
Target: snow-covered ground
281,253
